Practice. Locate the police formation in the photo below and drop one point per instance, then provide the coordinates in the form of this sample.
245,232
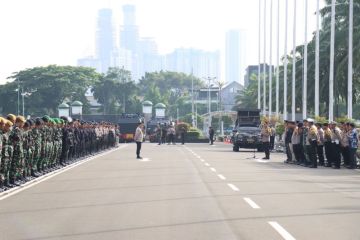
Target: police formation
311,144
33,147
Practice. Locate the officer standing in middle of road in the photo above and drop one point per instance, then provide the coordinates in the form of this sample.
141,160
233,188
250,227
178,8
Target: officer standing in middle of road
139,138
211,135
182,134
265,139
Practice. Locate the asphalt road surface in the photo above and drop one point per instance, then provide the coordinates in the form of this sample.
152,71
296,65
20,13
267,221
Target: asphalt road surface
186,192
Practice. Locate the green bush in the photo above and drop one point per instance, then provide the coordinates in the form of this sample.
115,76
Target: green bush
280,129
193,135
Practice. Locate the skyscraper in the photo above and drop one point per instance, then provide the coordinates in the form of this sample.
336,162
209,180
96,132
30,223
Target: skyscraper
104,38
129,33
235,56
194,61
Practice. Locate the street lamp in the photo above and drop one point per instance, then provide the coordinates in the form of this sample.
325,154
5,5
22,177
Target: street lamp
76,108
26,94
63,110
160,110
147,111
220,85
209,79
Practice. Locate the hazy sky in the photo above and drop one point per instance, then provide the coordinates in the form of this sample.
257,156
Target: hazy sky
42,32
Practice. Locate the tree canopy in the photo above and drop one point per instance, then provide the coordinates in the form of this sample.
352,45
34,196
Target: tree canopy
50,86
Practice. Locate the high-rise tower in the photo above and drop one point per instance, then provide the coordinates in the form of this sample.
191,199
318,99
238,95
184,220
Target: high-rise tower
235,58
104,38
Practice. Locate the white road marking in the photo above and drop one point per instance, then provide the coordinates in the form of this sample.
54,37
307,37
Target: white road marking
261,160
213,169
233,187
198,156
45,177
281,231
252,203
145,160
221,177
206,164
202,160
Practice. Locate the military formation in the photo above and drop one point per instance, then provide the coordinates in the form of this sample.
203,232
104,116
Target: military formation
33,147
311,144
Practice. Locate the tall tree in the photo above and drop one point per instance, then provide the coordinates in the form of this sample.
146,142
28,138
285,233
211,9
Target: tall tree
115,91
51,85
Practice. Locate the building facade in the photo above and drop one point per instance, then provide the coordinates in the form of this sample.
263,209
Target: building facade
235,56
105,41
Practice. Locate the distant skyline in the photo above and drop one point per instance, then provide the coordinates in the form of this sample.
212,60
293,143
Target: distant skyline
43,32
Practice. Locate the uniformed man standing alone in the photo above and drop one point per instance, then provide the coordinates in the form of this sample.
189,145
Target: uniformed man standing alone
265,139
139,137
211,135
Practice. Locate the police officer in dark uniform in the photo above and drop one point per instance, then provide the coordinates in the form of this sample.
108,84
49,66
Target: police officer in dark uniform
313,139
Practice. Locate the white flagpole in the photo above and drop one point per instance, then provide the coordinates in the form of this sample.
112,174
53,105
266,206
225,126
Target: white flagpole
332,53
286,59
305,63
294,66
317,60
277,60
264,87
270,62
259,67
350,66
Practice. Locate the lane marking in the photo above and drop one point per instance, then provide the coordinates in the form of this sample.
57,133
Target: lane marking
221,177
206,164
233,187
145,160
281,231
261,160
251,203
50,175
202,160
213,169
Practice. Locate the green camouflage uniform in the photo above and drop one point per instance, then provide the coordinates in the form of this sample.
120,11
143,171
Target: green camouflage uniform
43,154
17,162
6,156
27,151
37,149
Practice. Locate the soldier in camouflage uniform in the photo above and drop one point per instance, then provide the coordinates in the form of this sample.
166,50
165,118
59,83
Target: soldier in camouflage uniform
36,133
45,143
6,154
28,148
17,167
2,123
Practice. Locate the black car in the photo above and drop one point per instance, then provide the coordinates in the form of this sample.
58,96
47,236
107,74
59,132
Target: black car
247,133
247,137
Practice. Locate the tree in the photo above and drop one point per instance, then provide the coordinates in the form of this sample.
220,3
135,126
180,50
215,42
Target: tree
171,88
115,91
53,84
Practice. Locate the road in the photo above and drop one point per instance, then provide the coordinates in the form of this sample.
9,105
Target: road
195,191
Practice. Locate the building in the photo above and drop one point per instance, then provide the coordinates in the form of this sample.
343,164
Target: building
229,93
254,70
105,40
235,56
194,61
129,33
